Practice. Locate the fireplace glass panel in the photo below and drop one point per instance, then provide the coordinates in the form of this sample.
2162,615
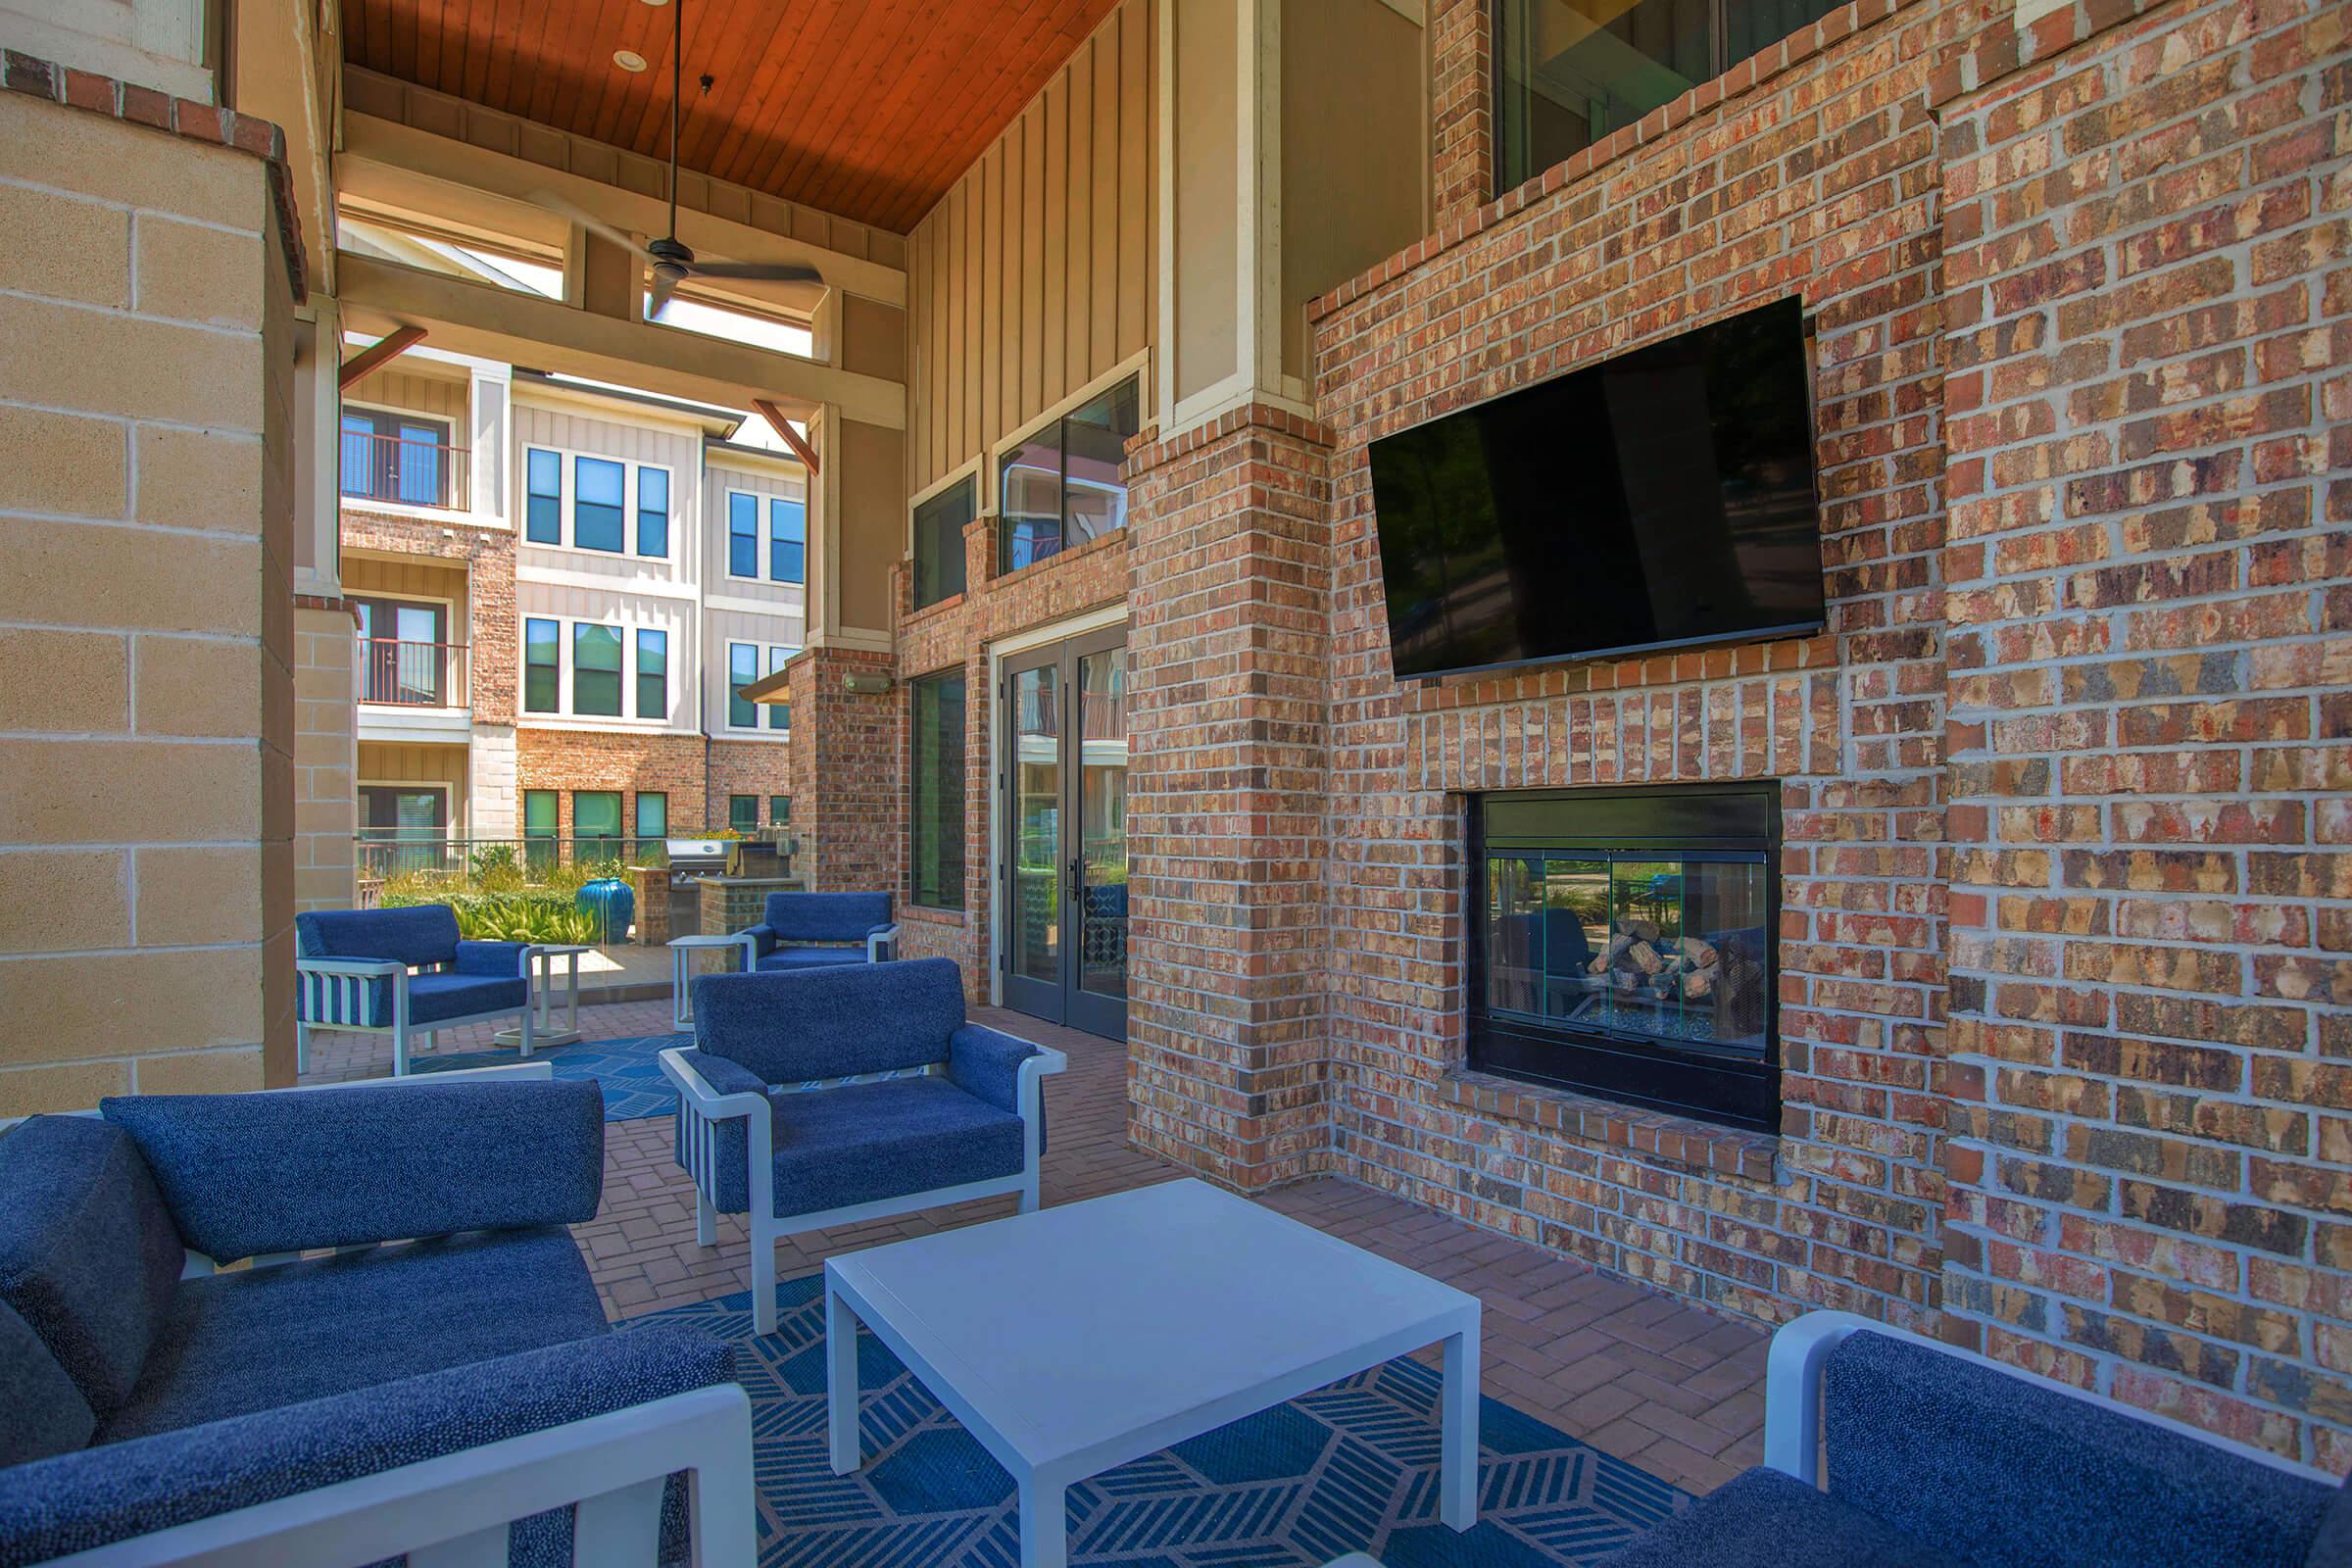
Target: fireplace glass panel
1641,969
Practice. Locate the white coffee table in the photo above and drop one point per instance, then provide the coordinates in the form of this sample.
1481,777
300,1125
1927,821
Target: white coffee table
1075,1339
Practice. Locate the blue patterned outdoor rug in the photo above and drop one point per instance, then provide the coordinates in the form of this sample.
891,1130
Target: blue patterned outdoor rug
628,1070
1353,1467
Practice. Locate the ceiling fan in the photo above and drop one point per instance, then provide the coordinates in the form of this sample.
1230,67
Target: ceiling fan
672,263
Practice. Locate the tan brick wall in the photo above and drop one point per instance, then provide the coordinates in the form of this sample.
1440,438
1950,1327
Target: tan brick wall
325,812
846,766
148,726
2149,590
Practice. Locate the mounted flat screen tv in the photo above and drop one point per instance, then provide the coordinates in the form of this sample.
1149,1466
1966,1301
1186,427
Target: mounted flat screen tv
1655,500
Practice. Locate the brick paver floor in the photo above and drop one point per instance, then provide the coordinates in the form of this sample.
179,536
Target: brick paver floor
1634,1372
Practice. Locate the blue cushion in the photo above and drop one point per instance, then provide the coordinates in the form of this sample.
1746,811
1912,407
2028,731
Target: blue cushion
2008,1470
435,997
258,1338
861,1143
41,1411
811,958
88,1253
76,1501
415,934
1765,1519
503,958
329,1167
797,1025
826,917
987,1062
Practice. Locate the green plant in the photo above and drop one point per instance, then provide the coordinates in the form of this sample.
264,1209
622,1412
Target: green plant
496,868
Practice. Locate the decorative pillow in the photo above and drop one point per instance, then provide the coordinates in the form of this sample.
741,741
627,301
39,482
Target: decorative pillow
41,1411
88,1255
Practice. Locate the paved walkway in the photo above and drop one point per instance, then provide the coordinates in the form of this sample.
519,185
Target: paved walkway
1641,1375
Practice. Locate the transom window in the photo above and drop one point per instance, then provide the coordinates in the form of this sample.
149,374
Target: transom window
939,526
1568,73
586,501
1061,487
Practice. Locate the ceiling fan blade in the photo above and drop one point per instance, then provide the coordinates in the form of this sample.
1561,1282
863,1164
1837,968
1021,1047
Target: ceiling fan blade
770,272
586,219
665,284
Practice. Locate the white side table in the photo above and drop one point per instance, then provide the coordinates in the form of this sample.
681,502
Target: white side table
543,997
681,970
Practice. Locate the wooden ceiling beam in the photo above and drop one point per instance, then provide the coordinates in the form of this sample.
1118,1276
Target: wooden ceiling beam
378,354
497,323
783,427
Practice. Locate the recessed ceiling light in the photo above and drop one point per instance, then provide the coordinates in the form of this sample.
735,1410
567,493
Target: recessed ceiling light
628,60
657,2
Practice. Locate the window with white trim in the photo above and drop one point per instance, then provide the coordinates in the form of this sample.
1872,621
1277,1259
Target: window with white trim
768,537
585,500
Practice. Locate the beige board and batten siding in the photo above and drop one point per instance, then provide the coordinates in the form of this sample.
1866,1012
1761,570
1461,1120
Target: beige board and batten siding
1035,274
782,620
671,612
567,431
438,397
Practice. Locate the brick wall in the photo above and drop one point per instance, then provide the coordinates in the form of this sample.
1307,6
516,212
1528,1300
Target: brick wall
1461,107
147,721
567,759
847,752
494,654
1231,728
2149,576
1818,177
743,767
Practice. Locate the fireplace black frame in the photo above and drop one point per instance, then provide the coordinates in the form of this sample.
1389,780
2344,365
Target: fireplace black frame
1725,1085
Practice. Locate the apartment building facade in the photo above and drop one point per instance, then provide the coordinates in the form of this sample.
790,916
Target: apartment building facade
553,621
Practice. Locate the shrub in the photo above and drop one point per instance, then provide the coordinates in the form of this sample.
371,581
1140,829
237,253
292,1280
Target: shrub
496,868
525,915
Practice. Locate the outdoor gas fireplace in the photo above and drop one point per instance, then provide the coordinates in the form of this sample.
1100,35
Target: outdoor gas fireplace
1623,945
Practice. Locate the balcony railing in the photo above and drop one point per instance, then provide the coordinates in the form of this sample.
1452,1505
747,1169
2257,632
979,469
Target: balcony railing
402,470
412,674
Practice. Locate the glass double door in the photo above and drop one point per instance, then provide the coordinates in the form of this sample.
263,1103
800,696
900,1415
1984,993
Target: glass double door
1065,823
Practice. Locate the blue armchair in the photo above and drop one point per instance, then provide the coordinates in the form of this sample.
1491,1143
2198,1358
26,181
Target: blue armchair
1940,1458
399,971
828,1096
821,930
461,1392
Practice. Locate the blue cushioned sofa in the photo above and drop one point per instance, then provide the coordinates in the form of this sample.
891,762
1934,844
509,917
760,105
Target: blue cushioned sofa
461,1390
820,930
1939,1458
401,971
827,1097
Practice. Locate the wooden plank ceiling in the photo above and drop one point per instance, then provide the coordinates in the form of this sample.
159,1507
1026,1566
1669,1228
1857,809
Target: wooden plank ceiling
865,107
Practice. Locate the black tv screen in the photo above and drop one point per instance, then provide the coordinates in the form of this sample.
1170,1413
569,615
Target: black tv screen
1660,498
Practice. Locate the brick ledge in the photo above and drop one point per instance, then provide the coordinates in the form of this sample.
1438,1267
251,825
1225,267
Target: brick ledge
923,914
136,104
1679,1140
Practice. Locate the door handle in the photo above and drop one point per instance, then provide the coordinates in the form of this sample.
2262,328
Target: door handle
1076,887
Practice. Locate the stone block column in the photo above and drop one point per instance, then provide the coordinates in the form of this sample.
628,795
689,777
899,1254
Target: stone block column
1227,1045
846,764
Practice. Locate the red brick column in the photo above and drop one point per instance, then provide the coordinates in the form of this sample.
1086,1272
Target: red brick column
2149,575
846,765
1461,107
1229,637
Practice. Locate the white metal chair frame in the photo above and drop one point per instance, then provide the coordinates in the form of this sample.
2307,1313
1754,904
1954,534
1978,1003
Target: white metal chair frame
453,1512
338,989
704,1108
